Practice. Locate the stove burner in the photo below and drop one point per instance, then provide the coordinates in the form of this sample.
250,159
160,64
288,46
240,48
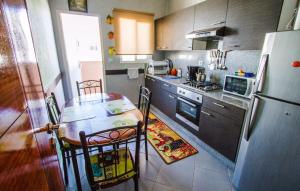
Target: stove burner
205,86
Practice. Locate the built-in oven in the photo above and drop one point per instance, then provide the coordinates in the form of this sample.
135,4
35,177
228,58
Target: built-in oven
188,107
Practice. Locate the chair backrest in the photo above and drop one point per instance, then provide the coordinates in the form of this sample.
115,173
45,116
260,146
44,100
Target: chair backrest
89,87
117,140
144,103
53,109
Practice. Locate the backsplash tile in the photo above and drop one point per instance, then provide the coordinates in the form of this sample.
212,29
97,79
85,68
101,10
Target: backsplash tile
248,60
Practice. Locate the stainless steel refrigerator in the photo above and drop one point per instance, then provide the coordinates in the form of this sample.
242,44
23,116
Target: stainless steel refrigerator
272,161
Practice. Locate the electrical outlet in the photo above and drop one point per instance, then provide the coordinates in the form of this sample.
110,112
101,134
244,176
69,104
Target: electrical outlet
201,63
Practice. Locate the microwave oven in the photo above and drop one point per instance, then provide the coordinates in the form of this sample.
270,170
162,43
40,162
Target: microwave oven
240,86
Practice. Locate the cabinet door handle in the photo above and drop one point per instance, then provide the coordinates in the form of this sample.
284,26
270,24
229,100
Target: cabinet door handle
167,85
208,114
251,117
234,46
218,105
187,102
262,73
218,23
172,97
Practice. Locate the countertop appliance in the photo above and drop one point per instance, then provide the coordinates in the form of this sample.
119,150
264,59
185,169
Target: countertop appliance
240,86
204,86
158,67
188,107
193,70
272,154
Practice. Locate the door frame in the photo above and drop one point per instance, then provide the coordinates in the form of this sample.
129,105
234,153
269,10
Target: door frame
65,64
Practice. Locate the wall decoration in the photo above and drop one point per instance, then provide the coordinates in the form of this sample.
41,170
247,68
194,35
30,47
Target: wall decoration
110,35
109,20
111,51
78,5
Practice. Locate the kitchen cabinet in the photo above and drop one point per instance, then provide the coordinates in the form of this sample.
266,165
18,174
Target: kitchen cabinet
248,21
169,87
219,132
210,13
168,103
171,30
163,96
220,126
160,38
227,110
154,86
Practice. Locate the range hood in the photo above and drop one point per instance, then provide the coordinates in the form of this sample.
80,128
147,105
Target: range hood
216,33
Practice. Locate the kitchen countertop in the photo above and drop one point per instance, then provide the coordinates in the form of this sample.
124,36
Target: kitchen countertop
217,94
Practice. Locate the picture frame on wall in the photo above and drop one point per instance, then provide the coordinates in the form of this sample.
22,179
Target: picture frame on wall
78,5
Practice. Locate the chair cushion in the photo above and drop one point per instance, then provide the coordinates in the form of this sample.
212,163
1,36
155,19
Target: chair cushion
97,161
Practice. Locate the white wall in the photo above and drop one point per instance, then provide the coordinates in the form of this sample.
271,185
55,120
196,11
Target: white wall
286,13
44,44
43,38
103,8
175,5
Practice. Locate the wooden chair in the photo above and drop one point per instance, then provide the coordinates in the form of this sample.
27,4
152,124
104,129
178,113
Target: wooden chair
144,106
115,165
89,87
54,115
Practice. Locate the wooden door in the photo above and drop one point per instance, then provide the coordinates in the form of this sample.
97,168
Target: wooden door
211,13
28,161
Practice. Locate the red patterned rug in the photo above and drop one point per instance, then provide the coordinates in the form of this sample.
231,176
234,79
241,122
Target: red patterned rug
169,145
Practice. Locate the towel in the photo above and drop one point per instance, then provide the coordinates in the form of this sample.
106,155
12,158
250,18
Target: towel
133,73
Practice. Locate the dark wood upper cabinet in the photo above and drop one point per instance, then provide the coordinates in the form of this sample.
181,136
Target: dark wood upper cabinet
210,13
171,30
248,21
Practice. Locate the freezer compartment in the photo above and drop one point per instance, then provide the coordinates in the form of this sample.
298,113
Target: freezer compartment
276,75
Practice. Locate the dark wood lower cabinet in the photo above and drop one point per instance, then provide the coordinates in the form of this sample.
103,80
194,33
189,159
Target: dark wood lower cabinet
220,123
168,103
154,86
219,132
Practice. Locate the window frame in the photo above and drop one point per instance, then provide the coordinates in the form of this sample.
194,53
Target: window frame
136,60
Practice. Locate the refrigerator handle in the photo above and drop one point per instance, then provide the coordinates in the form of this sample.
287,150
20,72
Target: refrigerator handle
251,116
262,73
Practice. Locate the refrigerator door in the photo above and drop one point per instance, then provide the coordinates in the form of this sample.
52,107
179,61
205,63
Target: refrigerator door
276,76
273,154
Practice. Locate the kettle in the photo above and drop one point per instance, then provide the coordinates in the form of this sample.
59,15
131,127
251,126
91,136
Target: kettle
200,76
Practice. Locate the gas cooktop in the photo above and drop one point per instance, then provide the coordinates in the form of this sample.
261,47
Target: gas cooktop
205,86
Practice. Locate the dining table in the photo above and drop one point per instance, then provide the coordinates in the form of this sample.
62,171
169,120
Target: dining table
92,106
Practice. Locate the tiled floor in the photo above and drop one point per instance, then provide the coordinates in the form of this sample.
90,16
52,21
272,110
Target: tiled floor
200,172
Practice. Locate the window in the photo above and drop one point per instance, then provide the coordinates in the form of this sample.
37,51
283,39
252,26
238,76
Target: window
134,32
135,58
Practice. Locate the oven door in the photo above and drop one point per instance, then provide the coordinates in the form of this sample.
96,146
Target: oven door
188,112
